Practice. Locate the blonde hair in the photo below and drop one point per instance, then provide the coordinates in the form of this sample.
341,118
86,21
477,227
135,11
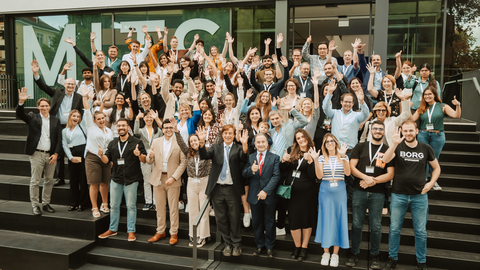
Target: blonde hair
310,114
69,121
185,105
325,151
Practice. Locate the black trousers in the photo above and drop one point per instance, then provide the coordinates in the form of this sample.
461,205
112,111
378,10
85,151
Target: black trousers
78,179
60,167
227,205
263,223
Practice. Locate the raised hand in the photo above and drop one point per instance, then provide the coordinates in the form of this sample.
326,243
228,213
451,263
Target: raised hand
308,157
68,66
331,87
371,68
455,101
170,66
84,90
90,94
136,152
275,101
159,31
35,68
399,54
396,138
229,38
267,41
249,93
186,72
256,62
69,40
399,94
309,39
139,115
254,167
165,31
151,154
134,58
240,81
313,153
288,106
244,138
286,156
93,36
195,96
196,37
279,38
148,42
145,29
201,133
218,90
154,115
413,69
128,102
274,59
296,64
360,47
284,61
314,80
356,43
100,151
22,95
331,46
343,150
360,96
316,72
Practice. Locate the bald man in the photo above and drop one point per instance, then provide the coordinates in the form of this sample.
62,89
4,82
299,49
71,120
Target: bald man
63,101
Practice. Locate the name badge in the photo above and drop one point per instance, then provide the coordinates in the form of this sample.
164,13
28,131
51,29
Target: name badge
322,73
296,175
369,169
207,144
429,126
176,114
273,152
303,94
343,131
120,161
196,180
66,114
70,145
327,121
333,184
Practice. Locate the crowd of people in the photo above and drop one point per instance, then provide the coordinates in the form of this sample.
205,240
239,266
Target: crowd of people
264,137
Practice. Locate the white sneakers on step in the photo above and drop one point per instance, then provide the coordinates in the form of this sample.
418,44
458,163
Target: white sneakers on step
333,260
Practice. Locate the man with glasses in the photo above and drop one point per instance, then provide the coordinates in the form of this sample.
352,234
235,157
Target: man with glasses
369,170
347,69
294,64
317,61
306,85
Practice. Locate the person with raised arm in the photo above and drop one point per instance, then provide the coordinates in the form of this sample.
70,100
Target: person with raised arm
225,185
418,86
348,69
294,64
318,61
376,61
86,75
387,95
402,71
264,103
104,90
173,51
311,109
332,74
117,111
332,225
410,158
98,137
431,113
112,60
273,88
187,123
176,97
135,51
43,145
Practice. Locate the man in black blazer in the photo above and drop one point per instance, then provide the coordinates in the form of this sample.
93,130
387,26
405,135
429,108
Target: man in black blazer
225,185
306,85
44,143
263,170
63,101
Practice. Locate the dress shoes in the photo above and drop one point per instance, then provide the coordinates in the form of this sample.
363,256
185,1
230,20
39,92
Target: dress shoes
227,251
72,208
59,182
80,208
258,251
107,234
36,211
131,237
48,208
173,240
237,251
270,253
156,237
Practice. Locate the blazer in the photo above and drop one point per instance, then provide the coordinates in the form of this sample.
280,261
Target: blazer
267,181
362,62
177,162
143,132
58,95
170,98
34,122
308,86
236,160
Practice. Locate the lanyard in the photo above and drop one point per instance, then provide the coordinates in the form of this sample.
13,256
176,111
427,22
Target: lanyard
322,67
370,152
254,131
227,118
333,168
386,100
104,94
110,61
197,162
303,84
265,87
430,113
345,69
123,83
123,149
299,163
71,134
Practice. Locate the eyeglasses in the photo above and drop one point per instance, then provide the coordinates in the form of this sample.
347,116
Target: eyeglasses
167,127
378,129
330,142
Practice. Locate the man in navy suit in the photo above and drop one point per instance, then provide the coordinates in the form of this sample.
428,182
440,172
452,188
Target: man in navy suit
44,143
263,169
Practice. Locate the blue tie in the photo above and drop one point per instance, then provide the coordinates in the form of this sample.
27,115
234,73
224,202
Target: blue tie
223,174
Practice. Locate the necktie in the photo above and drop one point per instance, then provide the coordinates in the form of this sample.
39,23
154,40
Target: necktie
223,174
261,163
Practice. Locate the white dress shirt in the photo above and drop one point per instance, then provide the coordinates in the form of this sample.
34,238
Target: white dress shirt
167,144
44,143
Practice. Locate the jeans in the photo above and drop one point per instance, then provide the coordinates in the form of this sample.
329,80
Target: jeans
435,140
116,192
419,208
360,202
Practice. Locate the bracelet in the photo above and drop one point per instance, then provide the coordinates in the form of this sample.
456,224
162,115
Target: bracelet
135,65
168,73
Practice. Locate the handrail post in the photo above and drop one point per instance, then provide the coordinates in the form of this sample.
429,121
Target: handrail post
195,226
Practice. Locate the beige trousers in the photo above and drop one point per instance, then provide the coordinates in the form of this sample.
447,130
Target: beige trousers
196,198
162,193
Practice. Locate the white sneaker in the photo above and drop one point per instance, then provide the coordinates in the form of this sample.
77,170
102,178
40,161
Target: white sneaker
212,213
186,208
181,206
437,187
334,260
246,220
325,259
281,231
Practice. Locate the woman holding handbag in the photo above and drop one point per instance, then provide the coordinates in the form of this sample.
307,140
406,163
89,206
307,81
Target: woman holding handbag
300,171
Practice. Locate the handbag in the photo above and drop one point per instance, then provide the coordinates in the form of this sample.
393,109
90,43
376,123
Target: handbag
285,191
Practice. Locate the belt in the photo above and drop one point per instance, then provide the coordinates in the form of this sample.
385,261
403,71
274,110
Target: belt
432,131
224,185
164,173
43,151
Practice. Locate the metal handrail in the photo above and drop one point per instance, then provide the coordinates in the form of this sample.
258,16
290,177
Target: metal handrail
474,79
211,250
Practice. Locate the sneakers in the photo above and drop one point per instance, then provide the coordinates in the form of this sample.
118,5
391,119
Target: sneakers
147,207
246,220
334,260
212,213
281,231
375,262
181,206
437,187
201,242
421,266
391,264
325,259
352,260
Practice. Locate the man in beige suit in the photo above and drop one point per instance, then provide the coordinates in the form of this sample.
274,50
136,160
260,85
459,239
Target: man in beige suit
169,165
177,96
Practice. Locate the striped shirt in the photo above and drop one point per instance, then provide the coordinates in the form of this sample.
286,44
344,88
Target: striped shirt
279,144
331,166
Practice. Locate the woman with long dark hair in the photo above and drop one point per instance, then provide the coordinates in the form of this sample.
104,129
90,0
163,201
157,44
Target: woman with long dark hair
119,110
418,86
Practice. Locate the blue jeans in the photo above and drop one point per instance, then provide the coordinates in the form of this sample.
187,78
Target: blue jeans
360,202
435,140
116,193
419,208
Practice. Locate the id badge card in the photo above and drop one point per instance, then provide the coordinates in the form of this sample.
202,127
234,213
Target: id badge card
207,144
369,169
273,152
333,184
120,161
322,73
176,114
66,114
296,174
327,121
196,180
343,131
303,94
429,126
70,145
